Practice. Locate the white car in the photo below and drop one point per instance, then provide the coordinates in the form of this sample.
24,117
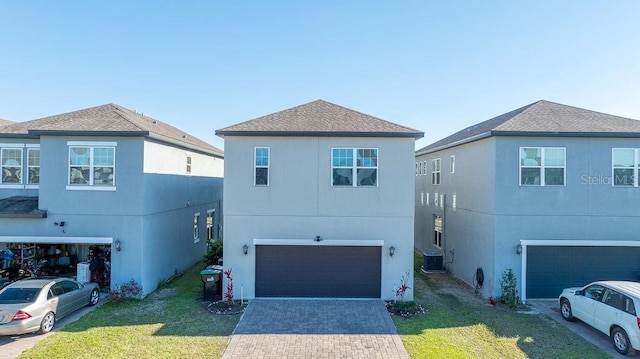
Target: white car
610,307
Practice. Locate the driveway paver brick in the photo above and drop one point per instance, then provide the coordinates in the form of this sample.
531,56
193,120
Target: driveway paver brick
299,328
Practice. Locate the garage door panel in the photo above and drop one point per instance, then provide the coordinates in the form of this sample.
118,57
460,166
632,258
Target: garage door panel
552,268
318,271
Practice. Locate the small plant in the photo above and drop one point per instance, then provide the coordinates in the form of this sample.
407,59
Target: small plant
126,291
405,309
402,288
508,283
214,251
228,294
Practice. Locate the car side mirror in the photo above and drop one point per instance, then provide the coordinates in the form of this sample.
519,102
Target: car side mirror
579,292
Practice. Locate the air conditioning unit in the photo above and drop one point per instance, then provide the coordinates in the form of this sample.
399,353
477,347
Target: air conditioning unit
432,262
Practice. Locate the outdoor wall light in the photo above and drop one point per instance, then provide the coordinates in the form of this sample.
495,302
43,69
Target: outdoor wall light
318,239
392,251
245,249
519,249
118,245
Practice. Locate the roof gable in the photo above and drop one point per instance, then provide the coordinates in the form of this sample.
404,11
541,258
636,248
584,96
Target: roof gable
543,118
319,118
109,119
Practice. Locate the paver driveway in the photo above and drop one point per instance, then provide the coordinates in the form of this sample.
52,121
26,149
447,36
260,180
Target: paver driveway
297,328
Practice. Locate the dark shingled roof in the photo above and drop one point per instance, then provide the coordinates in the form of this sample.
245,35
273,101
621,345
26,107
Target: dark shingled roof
319,118
21,207
543,118
108,120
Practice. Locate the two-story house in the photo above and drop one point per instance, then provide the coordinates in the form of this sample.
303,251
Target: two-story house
318,203
547,190
111,184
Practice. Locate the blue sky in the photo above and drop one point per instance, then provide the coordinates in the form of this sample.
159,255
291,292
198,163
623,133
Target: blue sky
437,66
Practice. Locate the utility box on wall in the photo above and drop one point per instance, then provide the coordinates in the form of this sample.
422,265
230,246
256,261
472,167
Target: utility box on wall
432,262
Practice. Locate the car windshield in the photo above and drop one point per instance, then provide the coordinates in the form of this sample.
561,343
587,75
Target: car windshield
19,295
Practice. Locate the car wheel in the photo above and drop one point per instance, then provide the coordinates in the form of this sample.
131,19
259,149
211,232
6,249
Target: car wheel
95,297
565,310
620,340
47,323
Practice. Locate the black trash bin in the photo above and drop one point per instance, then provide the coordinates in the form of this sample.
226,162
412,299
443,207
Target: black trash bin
210,283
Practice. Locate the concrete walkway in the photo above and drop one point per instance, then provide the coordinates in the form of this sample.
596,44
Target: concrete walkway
292,328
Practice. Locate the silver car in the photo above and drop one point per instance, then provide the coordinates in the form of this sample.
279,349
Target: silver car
34,305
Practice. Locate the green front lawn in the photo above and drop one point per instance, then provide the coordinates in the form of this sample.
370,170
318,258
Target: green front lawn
459,324
173,322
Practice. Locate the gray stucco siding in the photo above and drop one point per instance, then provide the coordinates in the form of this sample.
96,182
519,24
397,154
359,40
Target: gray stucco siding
301,203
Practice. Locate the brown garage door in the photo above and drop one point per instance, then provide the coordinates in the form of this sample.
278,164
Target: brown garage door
318,271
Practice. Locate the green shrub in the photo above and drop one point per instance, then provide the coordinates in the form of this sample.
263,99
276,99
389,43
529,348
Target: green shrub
126,291
509,283
214,251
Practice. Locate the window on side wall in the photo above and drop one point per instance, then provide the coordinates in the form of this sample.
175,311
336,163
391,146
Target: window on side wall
261,169
92,164
354,167
452,164
33,165
625,167
196,229
210,214
542,166
435,171
11,163
188,164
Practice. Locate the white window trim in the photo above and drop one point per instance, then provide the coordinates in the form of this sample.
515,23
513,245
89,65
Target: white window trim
212,213
635,167
29,148
542,167
13,146
196,227
452,164
268,166
91,145
188,163
436,170
354,168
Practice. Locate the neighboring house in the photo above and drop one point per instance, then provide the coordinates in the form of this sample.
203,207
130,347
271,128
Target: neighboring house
318,203
548,190
108,180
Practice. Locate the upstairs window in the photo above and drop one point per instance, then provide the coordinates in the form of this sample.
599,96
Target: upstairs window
435,171
354,167
33,165
625,167
542,166
452,164
188,170
91,165
261,169
11,163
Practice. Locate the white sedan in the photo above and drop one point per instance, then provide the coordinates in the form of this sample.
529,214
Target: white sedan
608,306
